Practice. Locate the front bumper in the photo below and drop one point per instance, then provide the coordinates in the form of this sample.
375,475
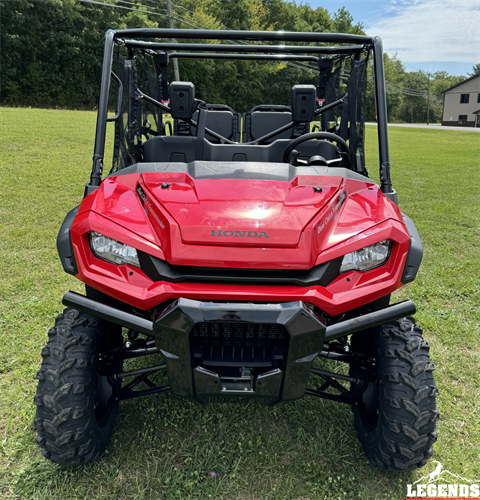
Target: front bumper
248,350
215,349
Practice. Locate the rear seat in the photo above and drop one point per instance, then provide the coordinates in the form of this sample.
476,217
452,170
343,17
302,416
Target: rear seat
220,118
263,119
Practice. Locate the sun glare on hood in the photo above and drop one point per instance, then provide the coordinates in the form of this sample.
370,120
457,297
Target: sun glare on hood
257,213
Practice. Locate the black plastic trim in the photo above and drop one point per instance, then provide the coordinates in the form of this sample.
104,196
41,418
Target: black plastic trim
89,189
159,270
392,196
64,244
415,252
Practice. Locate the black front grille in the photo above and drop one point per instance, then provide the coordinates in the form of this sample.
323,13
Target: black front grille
160,270
239,344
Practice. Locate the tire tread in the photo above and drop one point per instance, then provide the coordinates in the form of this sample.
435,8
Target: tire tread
67,431
403,436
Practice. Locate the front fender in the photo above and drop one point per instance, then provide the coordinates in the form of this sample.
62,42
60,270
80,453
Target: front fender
415,252
64,244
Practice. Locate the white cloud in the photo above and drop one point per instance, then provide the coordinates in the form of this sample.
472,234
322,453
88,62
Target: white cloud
431,30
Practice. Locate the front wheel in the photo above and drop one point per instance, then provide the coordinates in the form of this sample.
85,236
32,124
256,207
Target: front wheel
75,418
396,414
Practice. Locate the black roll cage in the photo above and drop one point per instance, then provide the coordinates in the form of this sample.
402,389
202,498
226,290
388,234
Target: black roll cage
360,43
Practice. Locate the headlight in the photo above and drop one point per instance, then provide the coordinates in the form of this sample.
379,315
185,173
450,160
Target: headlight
367,258
113,251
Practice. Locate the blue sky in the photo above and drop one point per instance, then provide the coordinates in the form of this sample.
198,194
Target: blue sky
432,35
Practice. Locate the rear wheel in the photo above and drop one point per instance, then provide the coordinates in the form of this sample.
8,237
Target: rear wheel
74,418
397,413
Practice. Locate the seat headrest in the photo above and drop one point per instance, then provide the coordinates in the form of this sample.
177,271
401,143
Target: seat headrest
303,103
182,100
218,121
263,122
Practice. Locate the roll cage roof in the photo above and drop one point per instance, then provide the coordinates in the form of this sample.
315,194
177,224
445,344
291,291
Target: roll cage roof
135,38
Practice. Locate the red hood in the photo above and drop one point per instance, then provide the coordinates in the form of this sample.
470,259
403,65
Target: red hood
241,212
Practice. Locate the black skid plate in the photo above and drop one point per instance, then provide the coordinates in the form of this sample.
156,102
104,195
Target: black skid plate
215,349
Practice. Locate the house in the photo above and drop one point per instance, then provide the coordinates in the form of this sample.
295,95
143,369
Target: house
461,104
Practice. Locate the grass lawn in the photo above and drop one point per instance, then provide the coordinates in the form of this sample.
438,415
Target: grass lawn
164,447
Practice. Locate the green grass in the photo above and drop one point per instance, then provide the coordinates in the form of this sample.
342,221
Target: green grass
164,447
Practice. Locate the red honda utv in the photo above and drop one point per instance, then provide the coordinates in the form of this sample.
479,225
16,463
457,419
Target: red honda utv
241,248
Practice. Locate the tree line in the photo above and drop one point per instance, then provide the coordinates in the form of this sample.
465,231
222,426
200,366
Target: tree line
52,53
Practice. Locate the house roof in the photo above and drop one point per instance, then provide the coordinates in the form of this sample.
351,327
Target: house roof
461,83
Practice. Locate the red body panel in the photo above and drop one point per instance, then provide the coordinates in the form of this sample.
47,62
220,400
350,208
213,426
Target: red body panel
240,224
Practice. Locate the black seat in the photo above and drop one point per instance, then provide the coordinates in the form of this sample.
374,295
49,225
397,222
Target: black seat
220,118
263,123
263,119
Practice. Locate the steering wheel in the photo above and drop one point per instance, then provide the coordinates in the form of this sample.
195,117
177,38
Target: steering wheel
316,135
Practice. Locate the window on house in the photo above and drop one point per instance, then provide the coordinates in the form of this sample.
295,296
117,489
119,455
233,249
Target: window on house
462,119
464,98
478,97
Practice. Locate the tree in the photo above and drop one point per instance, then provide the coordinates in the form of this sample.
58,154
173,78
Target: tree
475,70
394,75
342,22
52,50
